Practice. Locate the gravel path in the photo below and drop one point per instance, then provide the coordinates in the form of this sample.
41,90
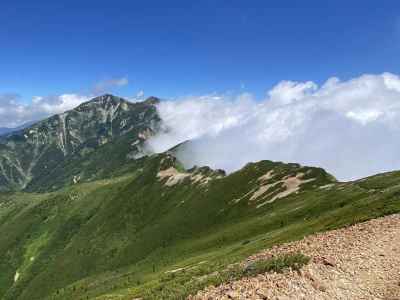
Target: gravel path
357,262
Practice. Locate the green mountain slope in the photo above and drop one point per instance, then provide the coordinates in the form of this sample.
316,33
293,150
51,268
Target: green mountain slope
116,238
63,149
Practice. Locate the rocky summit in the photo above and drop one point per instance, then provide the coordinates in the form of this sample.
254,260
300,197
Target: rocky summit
44,149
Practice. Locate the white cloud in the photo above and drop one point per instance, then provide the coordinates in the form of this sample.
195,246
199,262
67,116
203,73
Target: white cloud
351,128
286,92
140,96
14,112
107,85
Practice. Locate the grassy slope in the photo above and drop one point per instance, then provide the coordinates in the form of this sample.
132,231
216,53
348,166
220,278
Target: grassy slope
106,161
116,238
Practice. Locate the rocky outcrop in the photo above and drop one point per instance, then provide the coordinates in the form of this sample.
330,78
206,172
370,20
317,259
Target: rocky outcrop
171,172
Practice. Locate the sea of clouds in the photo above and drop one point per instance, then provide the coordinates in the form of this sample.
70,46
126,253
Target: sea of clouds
350,128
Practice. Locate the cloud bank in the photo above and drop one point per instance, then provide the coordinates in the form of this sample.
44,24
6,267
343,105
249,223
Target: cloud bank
350,128
14,112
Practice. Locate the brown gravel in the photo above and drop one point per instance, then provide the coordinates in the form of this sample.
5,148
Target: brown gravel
357,262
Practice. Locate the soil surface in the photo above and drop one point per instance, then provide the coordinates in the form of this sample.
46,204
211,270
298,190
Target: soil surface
357,262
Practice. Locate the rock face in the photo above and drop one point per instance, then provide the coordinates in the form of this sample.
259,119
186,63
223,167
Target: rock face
37,150
359,262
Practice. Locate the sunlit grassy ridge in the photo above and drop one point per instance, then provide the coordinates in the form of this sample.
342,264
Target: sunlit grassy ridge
121,237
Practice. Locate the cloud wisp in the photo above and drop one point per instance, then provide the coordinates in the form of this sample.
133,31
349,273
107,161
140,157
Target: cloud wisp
351,128
108,85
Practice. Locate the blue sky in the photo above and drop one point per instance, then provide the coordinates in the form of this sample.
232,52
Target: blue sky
175,48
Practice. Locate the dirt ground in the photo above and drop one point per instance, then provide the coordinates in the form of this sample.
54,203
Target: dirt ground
357,262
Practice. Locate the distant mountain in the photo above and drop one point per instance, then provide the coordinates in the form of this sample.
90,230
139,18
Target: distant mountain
50,153
7,130
4,130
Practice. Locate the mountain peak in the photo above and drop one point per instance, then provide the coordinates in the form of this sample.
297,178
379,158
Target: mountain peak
68,137
152,100
106,98
104,101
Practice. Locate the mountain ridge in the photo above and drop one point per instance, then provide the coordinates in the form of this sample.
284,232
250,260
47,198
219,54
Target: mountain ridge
122,223
148,221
